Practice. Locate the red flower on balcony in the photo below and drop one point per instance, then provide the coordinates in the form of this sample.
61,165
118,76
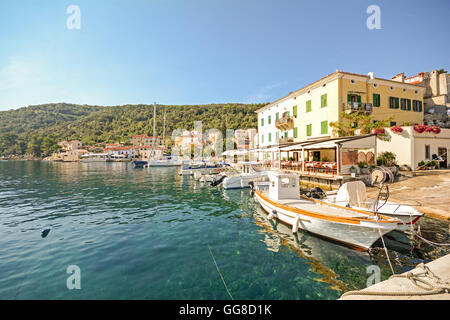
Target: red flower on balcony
397,129
436,129
420,128
378,131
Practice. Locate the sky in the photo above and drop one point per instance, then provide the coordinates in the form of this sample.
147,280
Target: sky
177,52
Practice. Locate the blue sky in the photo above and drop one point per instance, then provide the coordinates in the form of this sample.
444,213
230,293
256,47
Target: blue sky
206,51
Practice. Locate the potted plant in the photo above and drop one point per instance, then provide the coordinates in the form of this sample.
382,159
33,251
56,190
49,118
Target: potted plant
396,129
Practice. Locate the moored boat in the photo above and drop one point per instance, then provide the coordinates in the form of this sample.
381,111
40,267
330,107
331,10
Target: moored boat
280,198
353,195
95,157
139,163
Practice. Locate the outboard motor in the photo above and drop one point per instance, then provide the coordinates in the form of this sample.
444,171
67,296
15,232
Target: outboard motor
316,193
218,181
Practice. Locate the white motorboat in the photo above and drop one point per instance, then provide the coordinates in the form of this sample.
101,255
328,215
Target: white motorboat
168,162
189,168
280,198
95,157
247,176
353,195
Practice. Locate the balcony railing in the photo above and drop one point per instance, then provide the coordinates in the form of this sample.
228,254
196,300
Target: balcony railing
285,123
285,140
358,107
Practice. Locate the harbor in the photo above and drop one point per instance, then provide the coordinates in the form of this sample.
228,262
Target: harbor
149,230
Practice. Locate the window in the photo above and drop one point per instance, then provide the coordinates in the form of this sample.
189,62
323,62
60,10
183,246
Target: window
270,137
262,122
308,106
309,130
393,102
408,104
277,136
417,105
403,104
427,152
277,116
323,100
262,139
295,132
353,98
352,81
375,85
404,90
393,123
294,111
324,127
376,100
269,119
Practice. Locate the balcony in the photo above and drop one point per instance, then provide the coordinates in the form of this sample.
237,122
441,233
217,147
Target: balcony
285,140
358,107
285,123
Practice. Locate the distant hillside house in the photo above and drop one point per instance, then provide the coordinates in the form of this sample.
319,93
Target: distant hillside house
143,140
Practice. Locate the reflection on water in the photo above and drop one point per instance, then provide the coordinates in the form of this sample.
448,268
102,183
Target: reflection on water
144,234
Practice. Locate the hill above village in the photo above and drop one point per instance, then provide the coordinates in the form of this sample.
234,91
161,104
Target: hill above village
35,130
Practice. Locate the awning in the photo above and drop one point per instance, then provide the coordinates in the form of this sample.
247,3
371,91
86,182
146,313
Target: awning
354,142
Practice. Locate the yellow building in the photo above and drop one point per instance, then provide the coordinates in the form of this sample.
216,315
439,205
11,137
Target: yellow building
306,113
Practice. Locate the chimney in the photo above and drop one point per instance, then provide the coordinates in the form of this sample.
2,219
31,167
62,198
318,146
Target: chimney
371,75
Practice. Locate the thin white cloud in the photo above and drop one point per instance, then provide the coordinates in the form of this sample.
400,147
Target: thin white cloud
263,94
20,73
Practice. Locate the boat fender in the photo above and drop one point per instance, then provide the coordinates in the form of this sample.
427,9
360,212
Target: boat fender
295,225
252,188
272,215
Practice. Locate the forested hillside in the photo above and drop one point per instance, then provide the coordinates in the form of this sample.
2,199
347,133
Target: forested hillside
35,130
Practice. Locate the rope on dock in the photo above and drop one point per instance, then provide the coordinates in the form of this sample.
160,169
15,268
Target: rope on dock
218,270
429,288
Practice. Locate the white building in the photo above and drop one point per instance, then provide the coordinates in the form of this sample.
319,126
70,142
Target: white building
412,147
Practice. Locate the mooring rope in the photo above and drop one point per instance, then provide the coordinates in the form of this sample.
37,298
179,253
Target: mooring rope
375,212
220,273
430,289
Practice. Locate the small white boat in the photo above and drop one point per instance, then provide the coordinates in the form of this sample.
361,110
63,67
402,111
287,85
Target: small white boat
280,198
164,163
95,157
189,168
245,178
353,195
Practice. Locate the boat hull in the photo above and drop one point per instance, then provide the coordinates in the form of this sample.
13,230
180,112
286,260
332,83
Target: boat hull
358,236
242,181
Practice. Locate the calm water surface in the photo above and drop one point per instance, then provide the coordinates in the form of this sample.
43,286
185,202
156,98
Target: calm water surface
144,234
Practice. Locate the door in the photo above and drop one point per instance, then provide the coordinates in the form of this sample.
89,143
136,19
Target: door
442,152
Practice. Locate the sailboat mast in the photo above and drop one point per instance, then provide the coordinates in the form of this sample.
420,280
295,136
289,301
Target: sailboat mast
154,132
164,129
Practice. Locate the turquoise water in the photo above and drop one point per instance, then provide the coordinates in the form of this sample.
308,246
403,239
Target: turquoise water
144,234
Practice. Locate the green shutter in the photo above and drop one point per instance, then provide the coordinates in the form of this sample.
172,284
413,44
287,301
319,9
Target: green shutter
349,98
420,106
295,132
397,103
269,120
277,136
324,127
308,130
286,134
270,137
376,100
408,104
358,98
323,100
277,116
262,139
308,106
262,122
294,111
